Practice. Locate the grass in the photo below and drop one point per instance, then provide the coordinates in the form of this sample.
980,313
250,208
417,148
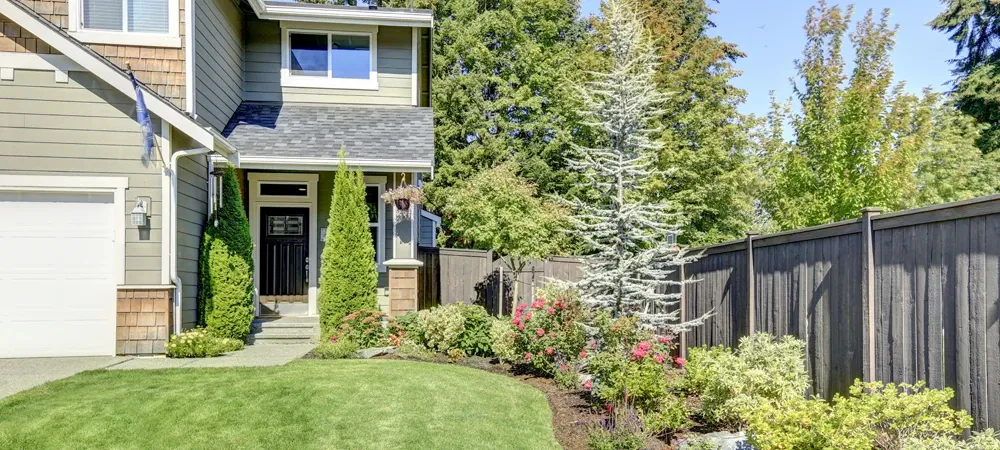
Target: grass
306,404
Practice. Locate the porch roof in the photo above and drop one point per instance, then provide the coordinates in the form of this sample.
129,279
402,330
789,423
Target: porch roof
317,131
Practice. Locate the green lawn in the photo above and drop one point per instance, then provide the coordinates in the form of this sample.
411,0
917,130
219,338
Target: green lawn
307,404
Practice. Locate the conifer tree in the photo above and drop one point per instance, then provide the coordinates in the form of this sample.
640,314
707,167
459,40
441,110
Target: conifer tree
632,258
225,295
348,277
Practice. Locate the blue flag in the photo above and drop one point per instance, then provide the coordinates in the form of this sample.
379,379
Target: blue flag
142,115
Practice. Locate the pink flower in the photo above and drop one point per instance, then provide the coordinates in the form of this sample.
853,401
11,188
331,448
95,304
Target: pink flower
645,346
540,332
515,321
593,345
520,326
563,367
664,340
680,361
527,356
538,303
549,350
559,304
659,358
588,385
583,354
550,310
521,307
333,339
638,353
527,317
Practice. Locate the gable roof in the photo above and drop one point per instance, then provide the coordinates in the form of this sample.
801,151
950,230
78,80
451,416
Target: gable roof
374,136
94,63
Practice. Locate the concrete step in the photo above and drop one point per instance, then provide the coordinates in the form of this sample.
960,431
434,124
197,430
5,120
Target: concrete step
284,330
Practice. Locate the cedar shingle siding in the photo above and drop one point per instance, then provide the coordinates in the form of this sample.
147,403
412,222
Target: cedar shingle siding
160,69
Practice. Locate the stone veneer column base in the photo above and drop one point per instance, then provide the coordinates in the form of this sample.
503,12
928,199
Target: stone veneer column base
402,290
144,318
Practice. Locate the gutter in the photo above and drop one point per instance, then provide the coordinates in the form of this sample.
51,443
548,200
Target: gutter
174,278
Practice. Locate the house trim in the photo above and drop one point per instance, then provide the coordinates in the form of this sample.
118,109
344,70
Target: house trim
310,201
61,183
189,60
366,165
111,74
380,249
414,66
329,82
60,64
171,38
436,219
291,11
166,191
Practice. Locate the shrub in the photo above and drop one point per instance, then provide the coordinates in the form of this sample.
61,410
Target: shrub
731,384
669,416
409,324
873,416
549,333
413,350
339,349
225,294
985,440
348,278
363,328
621,429
631,361
475,338
442,327
502,339
200,343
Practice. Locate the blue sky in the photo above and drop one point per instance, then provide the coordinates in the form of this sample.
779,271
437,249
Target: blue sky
920,57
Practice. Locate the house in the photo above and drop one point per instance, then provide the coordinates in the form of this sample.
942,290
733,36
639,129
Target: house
99,247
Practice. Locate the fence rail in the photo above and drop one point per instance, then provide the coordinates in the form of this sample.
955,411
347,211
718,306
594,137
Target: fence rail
906,296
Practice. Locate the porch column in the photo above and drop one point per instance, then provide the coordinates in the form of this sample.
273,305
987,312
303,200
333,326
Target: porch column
404,266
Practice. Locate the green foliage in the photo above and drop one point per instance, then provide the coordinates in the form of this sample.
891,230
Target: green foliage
408,325
548,334
621,440
700,443
984,440
874,416
442,326
502,340
364,328
621,429
411,349
670,416
732,384
498,210
348,278
631,362
502,91
339,349
200,343
225,294
475,338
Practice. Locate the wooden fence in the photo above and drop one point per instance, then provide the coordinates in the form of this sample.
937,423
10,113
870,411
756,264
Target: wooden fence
906,296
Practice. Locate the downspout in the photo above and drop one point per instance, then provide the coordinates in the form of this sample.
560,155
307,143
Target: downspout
174,278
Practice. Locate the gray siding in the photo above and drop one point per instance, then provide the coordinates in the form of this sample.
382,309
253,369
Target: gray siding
263,69
218,60
426,232
192,212
324,201
87,128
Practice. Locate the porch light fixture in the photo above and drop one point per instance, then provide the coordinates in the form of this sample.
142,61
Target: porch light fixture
140,214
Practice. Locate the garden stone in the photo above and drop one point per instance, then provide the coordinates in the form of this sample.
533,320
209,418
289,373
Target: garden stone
367,353
723,440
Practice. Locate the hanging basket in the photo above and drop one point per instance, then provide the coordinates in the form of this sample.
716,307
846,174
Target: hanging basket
403,204
402,197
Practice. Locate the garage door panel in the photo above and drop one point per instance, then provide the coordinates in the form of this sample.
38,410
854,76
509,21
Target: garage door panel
57,278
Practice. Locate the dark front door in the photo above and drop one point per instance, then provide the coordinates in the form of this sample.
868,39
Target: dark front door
284,261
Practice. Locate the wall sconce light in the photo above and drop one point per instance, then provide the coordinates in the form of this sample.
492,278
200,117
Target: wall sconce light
140,214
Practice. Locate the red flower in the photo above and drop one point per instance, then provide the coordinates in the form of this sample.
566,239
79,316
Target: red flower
527,317
583,354
588,385
515,321
593,345
549,350
559,304
680,361
527,356
563,367
521,308
659,358
540,332
664,340
520,326
550,310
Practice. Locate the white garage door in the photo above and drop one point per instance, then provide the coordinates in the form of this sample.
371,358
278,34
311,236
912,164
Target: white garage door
57,274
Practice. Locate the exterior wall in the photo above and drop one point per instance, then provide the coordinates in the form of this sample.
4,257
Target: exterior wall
402,291
424,64
218,60
192,212
426,230
83,127
143,321
263,69
161,69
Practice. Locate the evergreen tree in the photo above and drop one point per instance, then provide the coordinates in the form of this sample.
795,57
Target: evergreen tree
348,276
225,294
703,135
501,92
628,234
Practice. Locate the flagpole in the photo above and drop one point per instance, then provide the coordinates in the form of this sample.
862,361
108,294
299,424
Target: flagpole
156,143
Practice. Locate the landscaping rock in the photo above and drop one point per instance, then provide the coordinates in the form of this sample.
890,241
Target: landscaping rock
367,353
722,440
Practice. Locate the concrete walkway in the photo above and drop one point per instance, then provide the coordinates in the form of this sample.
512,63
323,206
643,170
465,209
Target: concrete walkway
250,356
18,375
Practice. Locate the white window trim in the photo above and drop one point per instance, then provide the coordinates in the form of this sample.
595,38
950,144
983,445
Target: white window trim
58,183
170,39
310,201
328,82
379,182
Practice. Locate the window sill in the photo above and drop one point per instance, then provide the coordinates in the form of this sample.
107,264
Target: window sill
329,83
129,39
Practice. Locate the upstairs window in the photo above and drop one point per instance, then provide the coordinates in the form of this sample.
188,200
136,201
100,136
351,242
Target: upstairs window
152,23
333,59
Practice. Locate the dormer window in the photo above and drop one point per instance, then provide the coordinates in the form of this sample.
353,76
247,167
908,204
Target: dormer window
152,23
331,59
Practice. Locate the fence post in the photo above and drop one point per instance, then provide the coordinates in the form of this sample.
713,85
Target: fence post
683,337
751,287
868,289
